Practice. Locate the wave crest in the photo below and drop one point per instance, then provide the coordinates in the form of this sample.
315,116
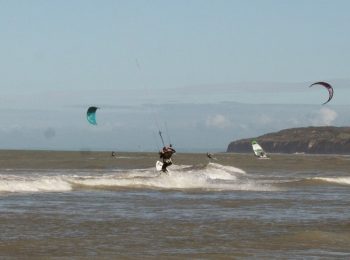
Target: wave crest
337,180
33,184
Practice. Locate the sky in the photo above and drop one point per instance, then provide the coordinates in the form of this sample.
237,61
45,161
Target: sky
203,72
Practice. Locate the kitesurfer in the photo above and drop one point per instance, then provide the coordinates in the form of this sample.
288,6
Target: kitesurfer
166,154
210,156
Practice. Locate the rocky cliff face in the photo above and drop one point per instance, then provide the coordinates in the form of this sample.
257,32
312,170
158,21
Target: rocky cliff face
313,140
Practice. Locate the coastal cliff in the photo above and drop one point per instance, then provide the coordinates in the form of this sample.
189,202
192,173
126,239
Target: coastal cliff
311,140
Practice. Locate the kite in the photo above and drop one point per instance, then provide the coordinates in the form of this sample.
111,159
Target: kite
91,115
328,87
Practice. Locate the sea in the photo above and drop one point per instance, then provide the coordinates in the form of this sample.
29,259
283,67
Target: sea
91,205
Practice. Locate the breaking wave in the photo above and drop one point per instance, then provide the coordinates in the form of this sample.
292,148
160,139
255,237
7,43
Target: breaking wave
212,177
33,184
315,181
337,180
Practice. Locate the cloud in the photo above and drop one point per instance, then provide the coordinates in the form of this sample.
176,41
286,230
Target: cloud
325,116
265,119
218,121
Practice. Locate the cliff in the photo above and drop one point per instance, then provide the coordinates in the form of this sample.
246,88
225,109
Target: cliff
312,140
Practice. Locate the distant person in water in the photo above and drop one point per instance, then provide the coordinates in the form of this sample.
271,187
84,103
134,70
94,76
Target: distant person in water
166,154
114,154
210,156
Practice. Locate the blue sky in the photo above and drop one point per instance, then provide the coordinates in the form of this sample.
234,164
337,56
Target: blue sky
188,58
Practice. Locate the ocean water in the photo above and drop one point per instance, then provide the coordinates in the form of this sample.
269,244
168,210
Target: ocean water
86,205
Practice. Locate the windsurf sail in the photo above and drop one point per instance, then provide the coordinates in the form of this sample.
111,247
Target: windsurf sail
91,115
258,150
328,87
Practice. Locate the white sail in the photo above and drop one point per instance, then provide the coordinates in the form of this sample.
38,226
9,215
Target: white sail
258,150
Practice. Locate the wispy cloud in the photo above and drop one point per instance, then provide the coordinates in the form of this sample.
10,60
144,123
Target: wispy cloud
218,121
325,116
265,119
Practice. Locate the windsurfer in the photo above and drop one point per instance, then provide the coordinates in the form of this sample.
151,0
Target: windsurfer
166,154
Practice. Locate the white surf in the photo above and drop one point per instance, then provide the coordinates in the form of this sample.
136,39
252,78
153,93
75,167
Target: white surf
212,177
337,180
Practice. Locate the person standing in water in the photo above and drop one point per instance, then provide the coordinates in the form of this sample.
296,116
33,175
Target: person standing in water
166,154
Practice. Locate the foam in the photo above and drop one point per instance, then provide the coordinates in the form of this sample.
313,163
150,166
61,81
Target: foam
338,180
214,177
218,171
33,184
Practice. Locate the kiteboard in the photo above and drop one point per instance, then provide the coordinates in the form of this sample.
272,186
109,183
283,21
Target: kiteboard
159,165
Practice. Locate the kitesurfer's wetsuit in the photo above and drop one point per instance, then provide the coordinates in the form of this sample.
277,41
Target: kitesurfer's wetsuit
166,154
